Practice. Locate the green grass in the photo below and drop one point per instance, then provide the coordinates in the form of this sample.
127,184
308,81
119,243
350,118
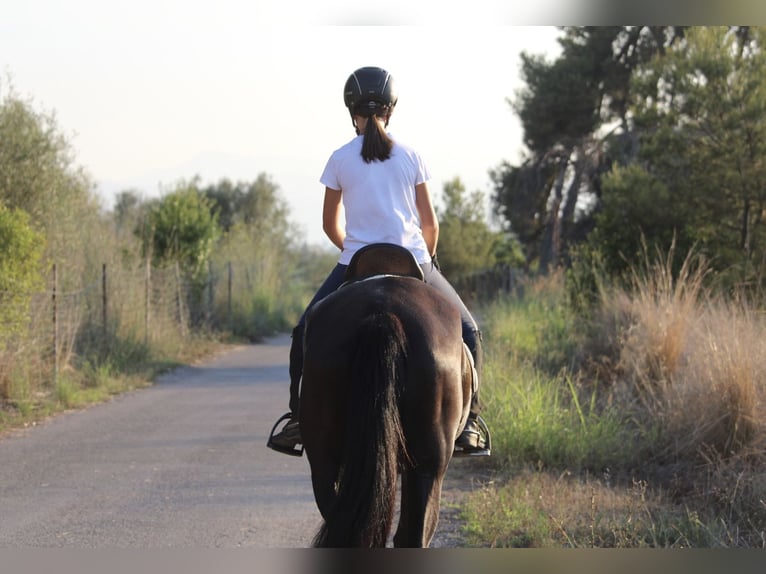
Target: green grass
545,421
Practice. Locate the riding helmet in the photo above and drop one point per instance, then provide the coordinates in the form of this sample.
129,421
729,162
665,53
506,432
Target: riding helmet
369,90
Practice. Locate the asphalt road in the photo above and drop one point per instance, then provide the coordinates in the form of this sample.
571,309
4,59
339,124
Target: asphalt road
181,464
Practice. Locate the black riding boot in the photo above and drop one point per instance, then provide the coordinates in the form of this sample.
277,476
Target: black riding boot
289,437
474,438
296,369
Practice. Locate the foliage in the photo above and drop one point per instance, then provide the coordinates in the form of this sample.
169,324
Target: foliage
575,115
564,510
651,432
700,113
20,251
120,319
638,211
257,251
644,133
39,176
257,205
183,229
466,242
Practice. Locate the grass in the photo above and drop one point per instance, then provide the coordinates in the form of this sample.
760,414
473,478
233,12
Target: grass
548,510
638,424
94,378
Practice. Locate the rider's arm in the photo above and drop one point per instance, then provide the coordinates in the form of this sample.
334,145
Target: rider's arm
428,222
331,217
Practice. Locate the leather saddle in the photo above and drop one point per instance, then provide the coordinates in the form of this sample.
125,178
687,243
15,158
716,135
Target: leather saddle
382,259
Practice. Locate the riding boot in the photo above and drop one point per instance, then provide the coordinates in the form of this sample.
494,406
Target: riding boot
475,346
289,437
296,369
474,438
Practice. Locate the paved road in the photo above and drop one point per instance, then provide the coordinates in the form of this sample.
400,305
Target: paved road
178,465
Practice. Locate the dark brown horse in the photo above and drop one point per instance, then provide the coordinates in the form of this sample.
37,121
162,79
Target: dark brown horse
386,388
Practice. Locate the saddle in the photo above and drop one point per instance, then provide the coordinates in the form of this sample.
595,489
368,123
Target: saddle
382,259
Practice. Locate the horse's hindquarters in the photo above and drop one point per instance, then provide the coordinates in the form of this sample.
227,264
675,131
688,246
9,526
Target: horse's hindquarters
382,390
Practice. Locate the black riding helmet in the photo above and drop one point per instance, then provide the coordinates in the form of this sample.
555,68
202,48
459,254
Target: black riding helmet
369,91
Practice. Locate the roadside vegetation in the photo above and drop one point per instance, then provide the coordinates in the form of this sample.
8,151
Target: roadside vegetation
624,378
97,301
637,422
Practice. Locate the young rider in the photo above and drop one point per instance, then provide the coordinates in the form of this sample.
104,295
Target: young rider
381,185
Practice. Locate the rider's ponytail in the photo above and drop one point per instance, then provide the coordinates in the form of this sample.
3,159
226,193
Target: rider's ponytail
377,143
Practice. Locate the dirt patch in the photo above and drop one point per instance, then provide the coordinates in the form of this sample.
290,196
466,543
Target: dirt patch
463,477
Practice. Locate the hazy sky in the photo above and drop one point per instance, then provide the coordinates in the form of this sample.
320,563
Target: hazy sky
151,92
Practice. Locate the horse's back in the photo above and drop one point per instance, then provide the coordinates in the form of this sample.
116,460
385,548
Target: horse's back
430,322
432,331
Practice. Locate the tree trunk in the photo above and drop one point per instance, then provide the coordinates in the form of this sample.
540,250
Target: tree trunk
550,250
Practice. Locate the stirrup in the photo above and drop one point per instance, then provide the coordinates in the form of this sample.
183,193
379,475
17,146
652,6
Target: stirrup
295,451
486,450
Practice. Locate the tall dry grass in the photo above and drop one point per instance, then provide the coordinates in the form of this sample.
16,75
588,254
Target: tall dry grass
690,364
671,372
689,367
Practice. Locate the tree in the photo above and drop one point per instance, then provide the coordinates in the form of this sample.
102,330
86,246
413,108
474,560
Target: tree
38,175
638,211
466,242
574,112
257,205
701,114
183,229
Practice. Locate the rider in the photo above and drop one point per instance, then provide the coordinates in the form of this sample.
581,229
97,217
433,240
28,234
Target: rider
381,185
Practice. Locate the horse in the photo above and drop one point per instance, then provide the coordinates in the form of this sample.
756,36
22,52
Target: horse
386,388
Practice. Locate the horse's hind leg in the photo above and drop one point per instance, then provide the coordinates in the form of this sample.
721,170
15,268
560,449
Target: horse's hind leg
419,513
323,477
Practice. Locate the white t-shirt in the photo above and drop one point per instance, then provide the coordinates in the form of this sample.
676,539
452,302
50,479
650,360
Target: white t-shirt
378,198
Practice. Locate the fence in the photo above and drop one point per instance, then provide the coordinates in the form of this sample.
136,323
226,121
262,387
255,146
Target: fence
489,284
90,310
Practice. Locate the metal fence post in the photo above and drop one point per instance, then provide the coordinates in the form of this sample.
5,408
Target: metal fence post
55,328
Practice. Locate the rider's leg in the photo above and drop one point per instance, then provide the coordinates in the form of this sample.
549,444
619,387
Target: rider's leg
296,365
471,438
472,339
289,436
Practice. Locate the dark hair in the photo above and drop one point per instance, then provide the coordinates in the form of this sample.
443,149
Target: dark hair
377,144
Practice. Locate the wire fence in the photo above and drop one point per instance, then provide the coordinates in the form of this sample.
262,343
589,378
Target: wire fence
142,303
489,284
91,311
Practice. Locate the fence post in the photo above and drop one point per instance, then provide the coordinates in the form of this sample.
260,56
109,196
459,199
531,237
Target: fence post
179,300
210,293
147,300
55,329
104,302
228,298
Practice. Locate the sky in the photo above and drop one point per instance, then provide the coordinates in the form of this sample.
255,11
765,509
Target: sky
149,93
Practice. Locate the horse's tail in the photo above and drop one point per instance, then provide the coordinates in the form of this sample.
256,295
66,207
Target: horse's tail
364,508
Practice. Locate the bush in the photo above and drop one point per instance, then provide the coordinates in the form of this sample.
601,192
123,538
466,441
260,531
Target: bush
20,251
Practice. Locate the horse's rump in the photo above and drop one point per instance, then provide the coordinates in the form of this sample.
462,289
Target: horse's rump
383,391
